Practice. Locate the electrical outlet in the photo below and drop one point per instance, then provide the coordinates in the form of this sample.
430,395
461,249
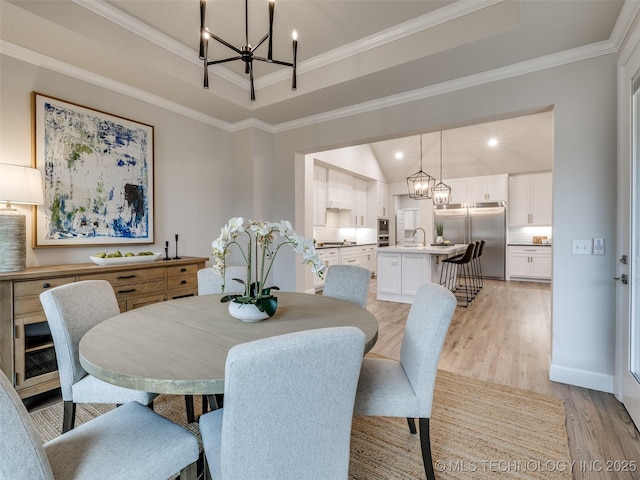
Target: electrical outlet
581,247
598,246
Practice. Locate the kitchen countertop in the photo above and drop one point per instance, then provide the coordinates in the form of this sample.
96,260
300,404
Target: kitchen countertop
528,244
435,250
342,245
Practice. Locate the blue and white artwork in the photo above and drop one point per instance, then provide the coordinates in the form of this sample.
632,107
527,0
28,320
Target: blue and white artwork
98,175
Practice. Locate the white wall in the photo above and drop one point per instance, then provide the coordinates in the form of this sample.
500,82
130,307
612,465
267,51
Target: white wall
583,97
192,160
358,159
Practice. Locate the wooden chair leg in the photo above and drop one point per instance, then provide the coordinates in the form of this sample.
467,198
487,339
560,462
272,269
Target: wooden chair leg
412,425
188,403
190,472
425,444
68,416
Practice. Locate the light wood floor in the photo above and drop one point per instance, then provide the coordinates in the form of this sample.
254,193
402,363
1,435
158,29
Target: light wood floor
505,337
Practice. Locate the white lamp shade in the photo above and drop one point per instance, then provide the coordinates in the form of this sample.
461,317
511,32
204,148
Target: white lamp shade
19,184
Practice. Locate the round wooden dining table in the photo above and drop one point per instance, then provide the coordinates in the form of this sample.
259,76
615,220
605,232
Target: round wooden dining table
180,346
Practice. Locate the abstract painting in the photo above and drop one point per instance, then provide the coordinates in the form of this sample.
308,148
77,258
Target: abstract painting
98,176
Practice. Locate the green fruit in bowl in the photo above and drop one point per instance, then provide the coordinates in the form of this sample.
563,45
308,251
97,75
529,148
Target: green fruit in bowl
117,254
129,254
100,255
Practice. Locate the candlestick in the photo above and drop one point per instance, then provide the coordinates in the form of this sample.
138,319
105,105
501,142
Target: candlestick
166,250
176,257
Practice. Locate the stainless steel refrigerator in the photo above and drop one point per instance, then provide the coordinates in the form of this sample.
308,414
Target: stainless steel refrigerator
483,221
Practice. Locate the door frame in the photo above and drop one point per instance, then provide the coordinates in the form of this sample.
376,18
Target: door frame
626,387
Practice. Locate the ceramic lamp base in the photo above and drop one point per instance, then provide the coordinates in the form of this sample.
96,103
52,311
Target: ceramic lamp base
13,238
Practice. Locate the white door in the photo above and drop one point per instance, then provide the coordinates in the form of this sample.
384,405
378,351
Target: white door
628,245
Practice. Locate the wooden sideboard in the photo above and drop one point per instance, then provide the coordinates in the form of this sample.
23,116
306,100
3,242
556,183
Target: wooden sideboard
26,351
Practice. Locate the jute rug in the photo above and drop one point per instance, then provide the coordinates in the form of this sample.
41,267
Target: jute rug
479,430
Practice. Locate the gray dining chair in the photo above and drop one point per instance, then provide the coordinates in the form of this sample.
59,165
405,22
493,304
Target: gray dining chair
130,441
72,310
210,282
348,282
272,426
391,388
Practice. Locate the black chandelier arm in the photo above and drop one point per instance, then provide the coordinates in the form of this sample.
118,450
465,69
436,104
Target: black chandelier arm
262,40
253,92
224,60
277,62
203,28
222,41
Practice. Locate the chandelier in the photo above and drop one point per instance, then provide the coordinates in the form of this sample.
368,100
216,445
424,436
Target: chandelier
441,192
420,183
247,52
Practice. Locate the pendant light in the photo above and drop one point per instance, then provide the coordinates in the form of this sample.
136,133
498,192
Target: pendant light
420,183
441,192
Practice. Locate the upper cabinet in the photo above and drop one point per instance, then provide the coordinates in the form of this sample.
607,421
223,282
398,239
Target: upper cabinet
489,188
339,190
530,199
319,195
359,202
382,200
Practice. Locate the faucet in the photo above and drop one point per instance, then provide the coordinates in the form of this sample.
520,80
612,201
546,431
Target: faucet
424,235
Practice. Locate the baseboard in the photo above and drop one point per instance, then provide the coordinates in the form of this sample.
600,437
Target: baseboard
581,378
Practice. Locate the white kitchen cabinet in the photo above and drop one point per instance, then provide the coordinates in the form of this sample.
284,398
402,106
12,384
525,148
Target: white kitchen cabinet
490,188
415,272
358,216
319,195
328,256
411,219
390,273
382,200
529,263
339,190
530,200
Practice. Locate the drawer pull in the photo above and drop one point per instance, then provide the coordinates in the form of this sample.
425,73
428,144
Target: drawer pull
46,285
183,269
124,277
183,282
127,291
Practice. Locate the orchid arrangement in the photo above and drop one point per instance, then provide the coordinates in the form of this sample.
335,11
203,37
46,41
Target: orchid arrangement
259,255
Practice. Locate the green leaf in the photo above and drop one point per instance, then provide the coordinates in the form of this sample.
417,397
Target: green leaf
267,304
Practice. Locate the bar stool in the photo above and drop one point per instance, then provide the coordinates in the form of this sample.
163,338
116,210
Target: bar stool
478,266
458,268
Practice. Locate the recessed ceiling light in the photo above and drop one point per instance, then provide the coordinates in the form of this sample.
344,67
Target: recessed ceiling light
399,155
493,142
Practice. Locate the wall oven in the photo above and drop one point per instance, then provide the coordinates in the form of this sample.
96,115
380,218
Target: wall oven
383,232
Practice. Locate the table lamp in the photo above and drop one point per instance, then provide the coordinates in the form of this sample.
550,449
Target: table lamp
22,185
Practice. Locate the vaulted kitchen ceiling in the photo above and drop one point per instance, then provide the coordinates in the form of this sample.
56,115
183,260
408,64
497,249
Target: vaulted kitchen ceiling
353,56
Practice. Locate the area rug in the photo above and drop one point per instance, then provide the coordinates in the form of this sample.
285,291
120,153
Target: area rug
479,430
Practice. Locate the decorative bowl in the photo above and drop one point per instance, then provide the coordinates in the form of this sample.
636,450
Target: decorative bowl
124,260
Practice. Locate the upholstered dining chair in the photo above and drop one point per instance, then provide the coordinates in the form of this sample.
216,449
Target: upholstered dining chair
73,309
130,441
272,426
210,282
390,388
348,282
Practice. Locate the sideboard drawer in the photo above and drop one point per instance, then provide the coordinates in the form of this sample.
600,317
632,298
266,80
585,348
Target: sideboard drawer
182,270
127,277
36,287
182,282
142,288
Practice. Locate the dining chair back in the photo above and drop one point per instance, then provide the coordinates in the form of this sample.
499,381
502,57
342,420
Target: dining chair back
388,388
348,282
128,442
272,426
210,282
72,310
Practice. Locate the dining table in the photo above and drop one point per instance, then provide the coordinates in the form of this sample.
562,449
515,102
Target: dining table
180,346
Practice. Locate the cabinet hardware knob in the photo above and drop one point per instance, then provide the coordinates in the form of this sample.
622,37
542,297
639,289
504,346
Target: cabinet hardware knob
183,269
46,285
183,282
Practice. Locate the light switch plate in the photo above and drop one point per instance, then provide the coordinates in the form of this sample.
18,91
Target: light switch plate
581,247
598,246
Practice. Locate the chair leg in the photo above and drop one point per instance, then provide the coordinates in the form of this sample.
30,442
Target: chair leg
150,405
425,443
190,472
412,425
188,403
68,416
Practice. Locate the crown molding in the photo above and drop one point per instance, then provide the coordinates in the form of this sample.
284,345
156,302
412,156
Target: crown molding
542,63
40,60
622,27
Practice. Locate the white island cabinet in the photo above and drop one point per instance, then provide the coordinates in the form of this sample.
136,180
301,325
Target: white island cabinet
401,270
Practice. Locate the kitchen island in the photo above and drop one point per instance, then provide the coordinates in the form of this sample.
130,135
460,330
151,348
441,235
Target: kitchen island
402,269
